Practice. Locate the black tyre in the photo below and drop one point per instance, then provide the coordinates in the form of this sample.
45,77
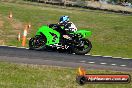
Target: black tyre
37,43
81,80
31,44
83,48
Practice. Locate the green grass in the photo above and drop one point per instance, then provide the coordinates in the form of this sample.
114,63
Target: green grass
38,76
111,32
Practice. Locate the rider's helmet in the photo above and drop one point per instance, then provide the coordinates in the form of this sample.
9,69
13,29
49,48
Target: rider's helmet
64,19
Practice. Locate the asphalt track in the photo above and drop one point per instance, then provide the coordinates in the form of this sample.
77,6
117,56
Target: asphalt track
22,55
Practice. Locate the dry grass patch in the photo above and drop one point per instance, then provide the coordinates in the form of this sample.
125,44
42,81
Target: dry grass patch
9,29
1,22
17,25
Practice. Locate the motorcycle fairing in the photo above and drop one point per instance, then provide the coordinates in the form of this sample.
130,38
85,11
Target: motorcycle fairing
53,37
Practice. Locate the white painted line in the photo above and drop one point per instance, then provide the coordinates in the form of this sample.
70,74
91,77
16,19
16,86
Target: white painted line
126,58
21,47
123,65
82,61
103,63
88,54
116,57
113,64
106,56
3,45
95,55
91,62
12,46
15,46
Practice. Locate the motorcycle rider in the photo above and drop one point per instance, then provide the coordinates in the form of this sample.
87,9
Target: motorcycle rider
68,27
64,21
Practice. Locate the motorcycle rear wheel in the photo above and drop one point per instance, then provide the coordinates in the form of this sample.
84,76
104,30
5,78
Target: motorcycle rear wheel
37,43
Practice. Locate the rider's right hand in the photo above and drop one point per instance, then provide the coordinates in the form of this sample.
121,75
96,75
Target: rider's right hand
50,25
54,26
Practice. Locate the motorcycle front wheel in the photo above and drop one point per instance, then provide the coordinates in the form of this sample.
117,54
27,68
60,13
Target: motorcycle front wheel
83,47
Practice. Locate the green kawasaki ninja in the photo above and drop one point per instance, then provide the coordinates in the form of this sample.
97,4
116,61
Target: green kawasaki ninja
50,38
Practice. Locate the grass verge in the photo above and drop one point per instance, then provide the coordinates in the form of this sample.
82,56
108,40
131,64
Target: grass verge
111,32
39,76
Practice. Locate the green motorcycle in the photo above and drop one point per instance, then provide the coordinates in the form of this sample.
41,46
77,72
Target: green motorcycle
50,38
